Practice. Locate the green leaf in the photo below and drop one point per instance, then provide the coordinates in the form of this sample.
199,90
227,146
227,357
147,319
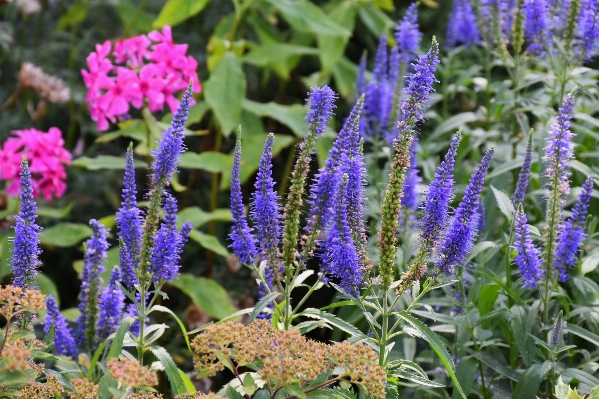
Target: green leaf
486,299
435,343
291,116
305,16
74,16
47,286
143,19
249,385
54,213
331,319
344,73
528,384
209,242
199,217
225,90
452,124
106,382
332,47
495,365
171,370
209,296
105,162
211,161
176,11
65,234
276,53
188,383
164,309
262,304
131,128
16,378
465,373
584,334
375,19
95,358
117,343
505,204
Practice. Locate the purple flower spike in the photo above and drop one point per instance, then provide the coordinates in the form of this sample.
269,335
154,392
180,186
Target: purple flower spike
320,108
528,259
322,191
112,302
407,34
265,209
170,146
168,244
461,234
24,261
439,194
340,258
63,337
535,25
129,222
243,243
588,27
524,176
419,89
462,28
93,265
572,233
559,151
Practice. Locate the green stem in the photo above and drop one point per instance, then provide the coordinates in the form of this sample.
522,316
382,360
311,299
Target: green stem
384,333
142,322
508,264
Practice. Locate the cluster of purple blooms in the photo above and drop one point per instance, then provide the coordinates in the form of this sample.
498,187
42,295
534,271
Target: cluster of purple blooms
542,20
102,308
336,201
566,235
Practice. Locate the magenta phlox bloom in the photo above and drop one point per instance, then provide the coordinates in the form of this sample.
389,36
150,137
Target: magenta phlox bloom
47,156
148,69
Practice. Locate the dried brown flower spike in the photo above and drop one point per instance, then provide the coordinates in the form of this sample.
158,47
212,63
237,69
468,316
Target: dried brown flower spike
50,88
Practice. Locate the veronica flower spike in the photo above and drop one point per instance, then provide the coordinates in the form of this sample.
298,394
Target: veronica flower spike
93,265
535,24
129,222
572,233
111,304
463,230
340,257
462,29
557,156
63,337
243,243
528,259
524,175
408,35
319,108
322,191
266,211
167,154
162,261
24,261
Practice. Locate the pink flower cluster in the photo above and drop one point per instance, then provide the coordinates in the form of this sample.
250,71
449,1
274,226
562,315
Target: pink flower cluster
148,67
46,155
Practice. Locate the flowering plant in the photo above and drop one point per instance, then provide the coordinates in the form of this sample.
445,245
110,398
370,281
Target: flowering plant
144,70
48,158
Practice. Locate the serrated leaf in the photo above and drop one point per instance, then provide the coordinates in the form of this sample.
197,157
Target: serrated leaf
504,203
291,116
437,345
263,303
171,370
528,384
117,343
331,319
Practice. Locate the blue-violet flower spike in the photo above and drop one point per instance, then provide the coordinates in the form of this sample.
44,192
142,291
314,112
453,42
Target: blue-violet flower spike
461,234
63,337
243,243
24,261
528,259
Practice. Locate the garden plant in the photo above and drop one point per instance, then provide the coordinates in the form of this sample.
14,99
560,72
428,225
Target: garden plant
299,199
